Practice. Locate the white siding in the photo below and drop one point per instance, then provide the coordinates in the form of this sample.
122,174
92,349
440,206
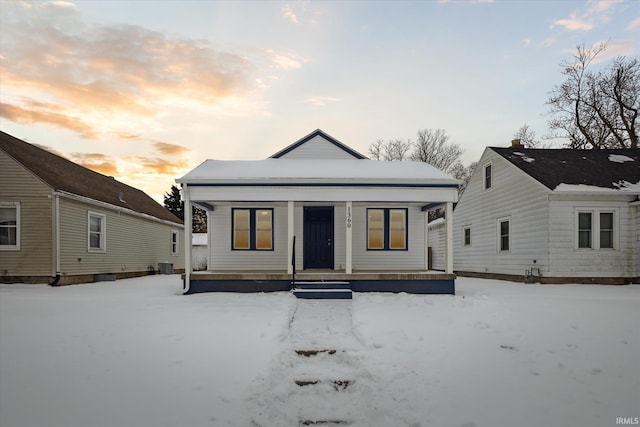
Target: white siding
437,240
411,259
515,195
568,261
222,257
317,148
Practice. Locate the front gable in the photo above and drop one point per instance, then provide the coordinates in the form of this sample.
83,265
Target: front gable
318,145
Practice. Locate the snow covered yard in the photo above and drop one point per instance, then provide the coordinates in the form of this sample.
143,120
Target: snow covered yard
137,353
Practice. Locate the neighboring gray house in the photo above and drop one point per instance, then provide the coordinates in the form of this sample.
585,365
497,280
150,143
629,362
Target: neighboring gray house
323,211
557,215
62,223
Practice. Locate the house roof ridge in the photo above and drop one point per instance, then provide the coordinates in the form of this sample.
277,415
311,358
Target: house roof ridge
63,174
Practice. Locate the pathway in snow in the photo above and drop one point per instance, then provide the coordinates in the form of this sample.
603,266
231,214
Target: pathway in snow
318,378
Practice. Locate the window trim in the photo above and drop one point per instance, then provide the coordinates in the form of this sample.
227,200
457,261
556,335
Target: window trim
17,246
103,232
253,231
464,236
386,229
175,245
484,176
499,222
595,228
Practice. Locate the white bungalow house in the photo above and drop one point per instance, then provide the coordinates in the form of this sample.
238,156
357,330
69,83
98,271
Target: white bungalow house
321,211
549,215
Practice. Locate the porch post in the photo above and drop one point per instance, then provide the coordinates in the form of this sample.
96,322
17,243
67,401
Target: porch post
187,236
349,238
290,234
449,224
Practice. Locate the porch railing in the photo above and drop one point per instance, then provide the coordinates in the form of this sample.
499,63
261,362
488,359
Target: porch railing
293,263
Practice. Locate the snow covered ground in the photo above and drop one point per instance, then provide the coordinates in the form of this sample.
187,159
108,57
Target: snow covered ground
137,353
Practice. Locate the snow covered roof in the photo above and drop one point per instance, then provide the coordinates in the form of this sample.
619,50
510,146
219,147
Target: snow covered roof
607,170
329,171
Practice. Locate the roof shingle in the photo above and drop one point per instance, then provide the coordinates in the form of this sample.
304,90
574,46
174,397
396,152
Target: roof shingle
64,175
597,168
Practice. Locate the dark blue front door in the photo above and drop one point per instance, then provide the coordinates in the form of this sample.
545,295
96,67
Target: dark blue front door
318,237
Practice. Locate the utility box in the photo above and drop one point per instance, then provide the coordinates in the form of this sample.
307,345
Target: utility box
165,267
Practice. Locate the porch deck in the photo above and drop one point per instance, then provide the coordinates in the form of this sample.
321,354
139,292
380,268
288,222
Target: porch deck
417,282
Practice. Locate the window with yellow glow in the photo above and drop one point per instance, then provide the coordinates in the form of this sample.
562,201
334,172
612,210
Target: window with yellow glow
252,229
397,229
241,231
264,232
376,229
386,229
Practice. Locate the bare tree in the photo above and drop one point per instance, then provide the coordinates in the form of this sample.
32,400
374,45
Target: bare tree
395,149
527,136
597,110
432,146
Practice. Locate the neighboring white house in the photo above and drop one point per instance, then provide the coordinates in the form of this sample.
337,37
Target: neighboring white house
561,215
351,219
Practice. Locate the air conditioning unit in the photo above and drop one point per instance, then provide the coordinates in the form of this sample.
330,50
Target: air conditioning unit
165,267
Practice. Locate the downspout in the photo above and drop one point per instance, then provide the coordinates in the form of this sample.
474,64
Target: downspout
56,239
186,197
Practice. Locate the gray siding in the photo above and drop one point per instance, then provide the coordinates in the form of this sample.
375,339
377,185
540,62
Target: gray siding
317,148
568,261
515,195
133,244
35,257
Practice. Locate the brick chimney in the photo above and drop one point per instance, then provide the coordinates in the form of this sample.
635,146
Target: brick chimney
515,143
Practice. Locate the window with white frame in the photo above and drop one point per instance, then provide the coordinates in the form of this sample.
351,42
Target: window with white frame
97,232
504,234
488,176
596,229
466,236
10,227
175,235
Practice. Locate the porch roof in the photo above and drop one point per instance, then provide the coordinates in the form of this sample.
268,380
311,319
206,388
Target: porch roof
317,171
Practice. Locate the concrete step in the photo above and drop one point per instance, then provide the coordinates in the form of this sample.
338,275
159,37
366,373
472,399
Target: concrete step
321,285
323,293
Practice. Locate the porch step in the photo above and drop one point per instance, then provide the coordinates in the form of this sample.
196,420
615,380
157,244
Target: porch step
321,285
322,290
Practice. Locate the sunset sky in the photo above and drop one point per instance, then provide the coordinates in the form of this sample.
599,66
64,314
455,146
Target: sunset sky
147,90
